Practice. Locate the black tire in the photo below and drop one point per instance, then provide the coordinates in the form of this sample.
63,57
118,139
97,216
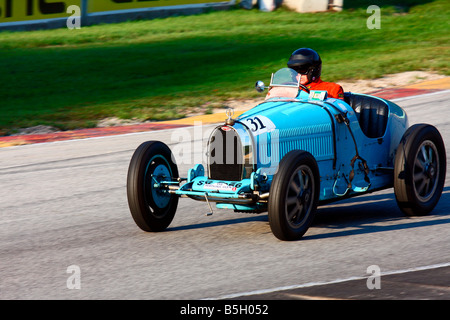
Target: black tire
151,208
419,170
294,195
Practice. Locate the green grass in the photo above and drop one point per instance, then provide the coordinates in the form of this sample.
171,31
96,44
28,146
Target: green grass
162,68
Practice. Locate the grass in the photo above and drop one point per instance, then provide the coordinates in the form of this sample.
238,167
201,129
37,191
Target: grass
163,68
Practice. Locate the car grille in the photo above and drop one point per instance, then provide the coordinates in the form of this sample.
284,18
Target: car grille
225,158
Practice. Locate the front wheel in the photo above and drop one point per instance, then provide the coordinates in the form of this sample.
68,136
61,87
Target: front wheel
420,169
151,205
294,195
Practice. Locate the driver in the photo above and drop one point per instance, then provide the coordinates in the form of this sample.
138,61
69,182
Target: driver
308,64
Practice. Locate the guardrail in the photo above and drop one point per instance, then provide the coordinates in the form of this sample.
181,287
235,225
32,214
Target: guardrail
48,14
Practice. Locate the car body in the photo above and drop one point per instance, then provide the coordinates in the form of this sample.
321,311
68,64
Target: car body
291,153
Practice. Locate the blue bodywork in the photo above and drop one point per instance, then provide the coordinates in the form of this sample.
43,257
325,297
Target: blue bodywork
332,130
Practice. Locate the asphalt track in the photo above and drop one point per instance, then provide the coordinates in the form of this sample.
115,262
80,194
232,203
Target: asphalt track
63,204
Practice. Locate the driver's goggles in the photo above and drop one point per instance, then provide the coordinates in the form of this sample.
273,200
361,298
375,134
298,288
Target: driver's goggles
303,70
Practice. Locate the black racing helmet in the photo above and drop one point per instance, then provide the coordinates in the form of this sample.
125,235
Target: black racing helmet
306,61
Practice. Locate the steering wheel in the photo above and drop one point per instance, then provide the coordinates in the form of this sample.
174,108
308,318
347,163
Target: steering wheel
295,83
304,88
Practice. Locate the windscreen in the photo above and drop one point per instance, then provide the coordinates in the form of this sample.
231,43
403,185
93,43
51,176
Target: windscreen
284,84
285,77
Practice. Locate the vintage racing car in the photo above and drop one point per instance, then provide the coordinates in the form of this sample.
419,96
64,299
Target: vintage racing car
291,153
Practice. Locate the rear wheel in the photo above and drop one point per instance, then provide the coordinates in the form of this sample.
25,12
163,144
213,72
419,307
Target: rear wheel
294,195
420,169
152,206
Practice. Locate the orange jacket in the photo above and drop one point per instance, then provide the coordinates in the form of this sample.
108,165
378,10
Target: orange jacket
334,90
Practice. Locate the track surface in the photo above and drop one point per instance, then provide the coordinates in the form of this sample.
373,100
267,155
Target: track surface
64,204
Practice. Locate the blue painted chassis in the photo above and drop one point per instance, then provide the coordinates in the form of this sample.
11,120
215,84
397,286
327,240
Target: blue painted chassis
313,126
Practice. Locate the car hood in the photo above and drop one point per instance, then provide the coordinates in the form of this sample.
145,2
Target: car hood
285,126
285,115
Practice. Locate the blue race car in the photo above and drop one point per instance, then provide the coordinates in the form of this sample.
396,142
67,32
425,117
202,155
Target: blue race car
291,153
